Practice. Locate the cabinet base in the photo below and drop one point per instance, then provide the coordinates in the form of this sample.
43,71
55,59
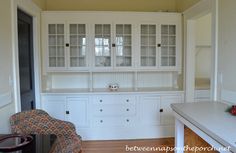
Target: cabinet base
122,133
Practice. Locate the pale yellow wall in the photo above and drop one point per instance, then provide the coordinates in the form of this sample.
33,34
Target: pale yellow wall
112,5
40,3
5,62
182,5
227,43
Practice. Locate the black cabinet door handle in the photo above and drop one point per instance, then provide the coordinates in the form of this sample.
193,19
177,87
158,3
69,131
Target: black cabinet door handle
161,110
67,112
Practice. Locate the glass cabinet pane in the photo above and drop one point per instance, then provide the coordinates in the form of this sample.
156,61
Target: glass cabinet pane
148,45
56,42
102,46
168,45
78,45
123,45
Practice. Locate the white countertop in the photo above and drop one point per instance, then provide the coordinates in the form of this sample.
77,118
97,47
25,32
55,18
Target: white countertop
211,118
105,91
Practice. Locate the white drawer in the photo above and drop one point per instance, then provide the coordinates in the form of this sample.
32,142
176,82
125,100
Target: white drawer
202,94
114,110
114,99
113,121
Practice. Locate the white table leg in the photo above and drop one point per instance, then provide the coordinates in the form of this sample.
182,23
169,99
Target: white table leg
179,136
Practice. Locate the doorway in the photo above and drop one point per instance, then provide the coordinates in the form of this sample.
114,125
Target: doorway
26,60
201,9
203,58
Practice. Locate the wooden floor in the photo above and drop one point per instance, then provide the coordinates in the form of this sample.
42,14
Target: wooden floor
121,146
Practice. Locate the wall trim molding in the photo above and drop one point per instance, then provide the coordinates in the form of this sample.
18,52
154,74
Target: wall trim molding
29,7
228,96
5,98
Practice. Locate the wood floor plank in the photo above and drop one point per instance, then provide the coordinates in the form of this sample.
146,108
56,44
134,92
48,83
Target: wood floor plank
120,146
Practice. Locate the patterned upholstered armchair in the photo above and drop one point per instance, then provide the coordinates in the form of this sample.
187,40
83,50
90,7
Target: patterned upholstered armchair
39,122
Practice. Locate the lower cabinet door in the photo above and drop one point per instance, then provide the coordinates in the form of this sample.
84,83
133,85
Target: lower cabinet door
77,111
150,110
55,106
167,117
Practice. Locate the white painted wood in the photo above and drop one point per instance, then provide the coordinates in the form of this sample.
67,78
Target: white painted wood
91,18
32,9
167,117
206,123
179,136
202,95
78,111
5,98
112,115
150,110
190,62
55,106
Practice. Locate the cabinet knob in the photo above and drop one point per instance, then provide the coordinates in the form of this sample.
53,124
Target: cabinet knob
161,110
113,45
127,109
67,45
158,45
127,100
101,110
100,100
67,112
127,120
101,121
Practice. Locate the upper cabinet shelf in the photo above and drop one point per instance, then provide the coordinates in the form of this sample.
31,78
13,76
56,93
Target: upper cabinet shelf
99,41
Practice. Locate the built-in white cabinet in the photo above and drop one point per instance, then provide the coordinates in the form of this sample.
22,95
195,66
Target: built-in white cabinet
56,45
150,109
73,109
52,103
80,41
66,45
113,110
168,46
77,110
102,116
167,117
78,45
113,45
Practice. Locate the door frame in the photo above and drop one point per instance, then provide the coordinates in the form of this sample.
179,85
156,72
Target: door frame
31,9
202,8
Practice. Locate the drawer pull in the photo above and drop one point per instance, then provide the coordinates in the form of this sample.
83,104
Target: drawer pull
100,110
127,120
101,121
127,109
127,100
100,101
67,112
161,110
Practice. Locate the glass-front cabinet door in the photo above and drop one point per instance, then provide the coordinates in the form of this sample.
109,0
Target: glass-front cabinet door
102,46
168,45
123,42
148,57
56,46
78,45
